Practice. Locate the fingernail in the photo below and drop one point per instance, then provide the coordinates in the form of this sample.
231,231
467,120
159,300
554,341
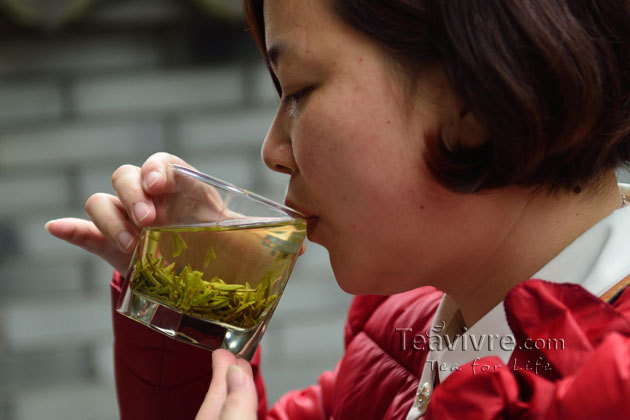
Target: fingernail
234,378
152,178
141,210
47,225
125,239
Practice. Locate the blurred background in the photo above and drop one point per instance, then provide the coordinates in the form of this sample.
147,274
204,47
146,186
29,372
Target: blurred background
88,85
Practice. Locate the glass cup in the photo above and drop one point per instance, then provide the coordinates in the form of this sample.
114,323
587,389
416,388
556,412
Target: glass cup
213,268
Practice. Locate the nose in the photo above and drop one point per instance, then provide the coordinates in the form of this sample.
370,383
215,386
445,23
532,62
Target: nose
277,149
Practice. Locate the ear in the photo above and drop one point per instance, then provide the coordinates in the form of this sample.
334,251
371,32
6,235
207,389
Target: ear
461,129
458,126
472,134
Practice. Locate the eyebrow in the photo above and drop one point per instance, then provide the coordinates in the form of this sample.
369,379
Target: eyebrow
273,53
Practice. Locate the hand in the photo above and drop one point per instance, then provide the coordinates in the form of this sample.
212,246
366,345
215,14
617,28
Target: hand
117,219
232,393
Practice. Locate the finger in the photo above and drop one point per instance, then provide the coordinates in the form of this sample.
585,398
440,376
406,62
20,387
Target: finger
110,217
203,202
241,402
217,393
157,178
128,187
245,366
302,249
86,235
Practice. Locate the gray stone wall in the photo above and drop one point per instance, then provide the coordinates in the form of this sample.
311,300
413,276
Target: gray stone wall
75,105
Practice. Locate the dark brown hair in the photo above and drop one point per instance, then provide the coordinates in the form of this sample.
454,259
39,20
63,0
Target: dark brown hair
549,80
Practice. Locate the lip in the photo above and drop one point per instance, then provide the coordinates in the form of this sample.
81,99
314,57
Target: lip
293,205
311,220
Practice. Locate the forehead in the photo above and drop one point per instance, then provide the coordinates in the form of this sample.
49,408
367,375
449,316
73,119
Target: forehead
310,30
286,20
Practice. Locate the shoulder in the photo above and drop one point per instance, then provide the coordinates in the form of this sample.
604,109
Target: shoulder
387,325
379,350
578,346
537,307
374,312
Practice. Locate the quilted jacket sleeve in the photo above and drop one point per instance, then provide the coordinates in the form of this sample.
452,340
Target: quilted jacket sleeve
317,402
312,403
160,378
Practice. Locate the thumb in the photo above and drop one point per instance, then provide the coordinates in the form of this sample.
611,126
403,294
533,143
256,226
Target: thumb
241,402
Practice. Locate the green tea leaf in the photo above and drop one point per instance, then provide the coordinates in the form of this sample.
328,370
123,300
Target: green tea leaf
169,268
210,255
227,287
178,244
214,299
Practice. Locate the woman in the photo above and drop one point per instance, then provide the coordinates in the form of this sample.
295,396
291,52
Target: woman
469,146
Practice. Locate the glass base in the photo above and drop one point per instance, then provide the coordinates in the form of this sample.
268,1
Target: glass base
202,333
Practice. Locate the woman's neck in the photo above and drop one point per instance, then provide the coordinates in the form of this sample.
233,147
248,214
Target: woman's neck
543,226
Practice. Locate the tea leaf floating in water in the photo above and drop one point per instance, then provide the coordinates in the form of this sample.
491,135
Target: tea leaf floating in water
210,255
236,304
179,243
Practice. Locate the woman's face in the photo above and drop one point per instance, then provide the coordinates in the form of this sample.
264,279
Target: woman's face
352,140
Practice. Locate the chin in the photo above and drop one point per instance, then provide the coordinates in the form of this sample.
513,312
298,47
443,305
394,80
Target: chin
369,280
357,273
356,282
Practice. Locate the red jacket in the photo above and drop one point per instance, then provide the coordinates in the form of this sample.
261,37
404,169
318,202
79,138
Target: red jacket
160,378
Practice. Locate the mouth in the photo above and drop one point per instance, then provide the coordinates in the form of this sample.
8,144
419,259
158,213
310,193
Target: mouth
311,220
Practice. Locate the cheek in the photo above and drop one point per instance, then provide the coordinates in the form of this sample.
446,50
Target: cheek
363,165
352,135
364,170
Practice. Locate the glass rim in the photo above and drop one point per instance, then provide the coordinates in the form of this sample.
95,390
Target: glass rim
216,182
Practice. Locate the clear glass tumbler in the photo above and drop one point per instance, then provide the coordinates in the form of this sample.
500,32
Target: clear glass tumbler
213,268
